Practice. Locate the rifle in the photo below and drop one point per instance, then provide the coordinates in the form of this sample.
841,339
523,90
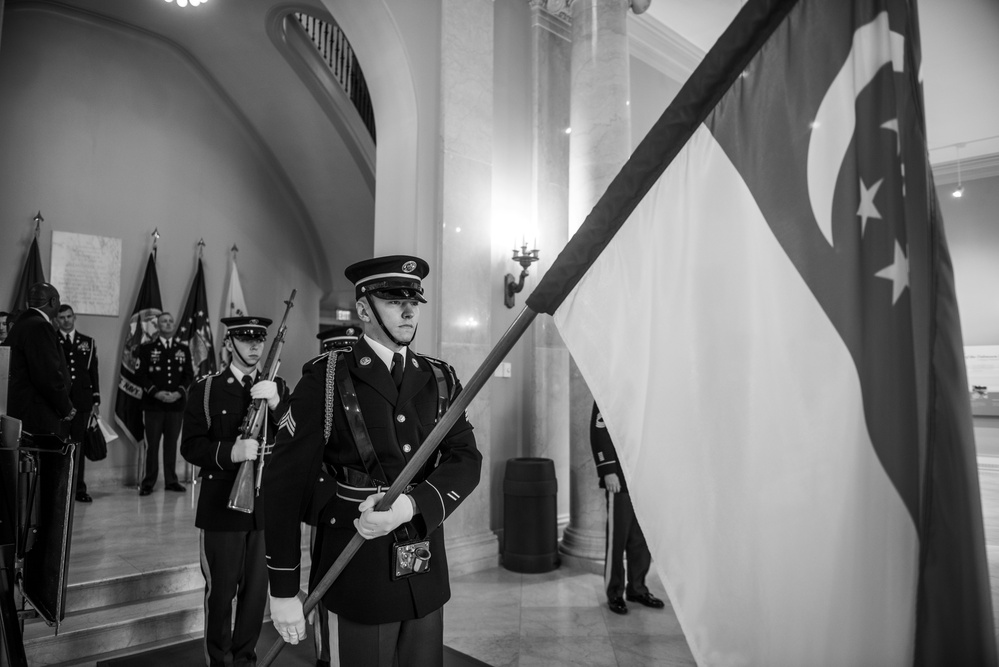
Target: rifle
247,485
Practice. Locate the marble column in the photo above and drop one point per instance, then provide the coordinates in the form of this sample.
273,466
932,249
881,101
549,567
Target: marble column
548,402
599,146
466,246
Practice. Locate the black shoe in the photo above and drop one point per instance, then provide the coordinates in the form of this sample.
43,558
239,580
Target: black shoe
145,491
648,599
84,497
617,606
176,486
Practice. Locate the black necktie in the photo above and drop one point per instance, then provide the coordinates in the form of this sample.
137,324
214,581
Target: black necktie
397,368
247,382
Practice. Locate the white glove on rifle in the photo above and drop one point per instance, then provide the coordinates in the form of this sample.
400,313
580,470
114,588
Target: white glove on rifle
244,450
374,524
267,390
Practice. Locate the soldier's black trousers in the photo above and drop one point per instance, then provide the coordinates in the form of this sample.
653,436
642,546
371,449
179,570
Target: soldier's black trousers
415,643
234,566
624,536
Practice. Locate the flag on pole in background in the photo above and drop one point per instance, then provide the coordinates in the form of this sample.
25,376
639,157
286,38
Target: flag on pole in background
141,328
794,423
31,273
195,326
235,306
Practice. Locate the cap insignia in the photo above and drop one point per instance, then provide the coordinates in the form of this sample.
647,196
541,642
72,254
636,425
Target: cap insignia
350,331
409,267
365,361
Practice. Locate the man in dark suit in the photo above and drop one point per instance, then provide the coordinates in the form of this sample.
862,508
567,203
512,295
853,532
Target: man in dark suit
85,387
164,370
623,533
38,392
232,541
388,601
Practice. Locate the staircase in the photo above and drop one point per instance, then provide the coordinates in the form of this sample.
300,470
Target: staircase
123,615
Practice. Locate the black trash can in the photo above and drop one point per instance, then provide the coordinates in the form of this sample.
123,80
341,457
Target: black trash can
530,533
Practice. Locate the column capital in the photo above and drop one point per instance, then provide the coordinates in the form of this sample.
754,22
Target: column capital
561,9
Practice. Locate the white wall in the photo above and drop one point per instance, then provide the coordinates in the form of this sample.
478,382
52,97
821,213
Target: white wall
114,133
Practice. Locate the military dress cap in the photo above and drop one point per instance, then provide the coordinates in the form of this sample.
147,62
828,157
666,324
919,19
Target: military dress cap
249,327
394,276
340,335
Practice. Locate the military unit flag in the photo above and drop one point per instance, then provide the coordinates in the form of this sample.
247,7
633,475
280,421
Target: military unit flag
770,267
141,328
195,326
31,273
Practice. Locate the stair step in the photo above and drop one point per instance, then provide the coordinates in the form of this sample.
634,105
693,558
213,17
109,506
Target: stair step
99,631
134,587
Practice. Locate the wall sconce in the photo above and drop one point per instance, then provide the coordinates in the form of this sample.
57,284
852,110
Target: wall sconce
959,190
510,287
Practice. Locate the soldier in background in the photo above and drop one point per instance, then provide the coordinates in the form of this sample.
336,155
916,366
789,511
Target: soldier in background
164,371
338,337
85,388
4,325
623,533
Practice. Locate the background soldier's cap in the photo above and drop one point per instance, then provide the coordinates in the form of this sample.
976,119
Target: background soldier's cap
340,335
392,277
246,327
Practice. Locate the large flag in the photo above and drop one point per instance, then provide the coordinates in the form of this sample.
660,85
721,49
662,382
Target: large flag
195,326
770,267
31,273
235,306
141,328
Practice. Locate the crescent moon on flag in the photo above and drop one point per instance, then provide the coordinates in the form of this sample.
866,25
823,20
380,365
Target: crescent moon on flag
836,120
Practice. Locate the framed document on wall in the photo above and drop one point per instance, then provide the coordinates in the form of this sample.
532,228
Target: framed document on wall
86,270
982,362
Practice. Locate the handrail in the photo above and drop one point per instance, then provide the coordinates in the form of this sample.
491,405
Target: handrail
335,51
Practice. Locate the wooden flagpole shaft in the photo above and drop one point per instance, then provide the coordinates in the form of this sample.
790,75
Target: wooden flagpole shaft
423,454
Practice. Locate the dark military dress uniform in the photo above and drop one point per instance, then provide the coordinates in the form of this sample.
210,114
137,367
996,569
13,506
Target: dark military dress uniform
163,366
85,391
315,438
623,533
232,542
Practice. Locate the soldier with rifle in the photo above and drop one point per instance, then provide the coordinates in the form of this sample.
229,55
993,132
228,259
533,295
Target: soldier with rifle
228,415
363,415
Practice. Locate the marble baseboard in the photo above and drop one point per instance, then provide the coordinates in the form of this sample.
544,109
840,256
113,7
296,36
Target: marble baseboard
472,553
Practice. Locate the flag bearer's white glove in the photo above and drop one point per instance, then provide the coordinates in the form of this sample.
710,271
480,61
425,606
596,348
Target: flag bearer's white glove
288,619
374,524
244,450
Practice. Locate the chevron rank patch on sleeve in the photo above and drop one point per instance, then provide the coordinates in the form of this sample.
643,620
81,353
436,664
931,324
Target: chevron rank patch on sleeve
287,423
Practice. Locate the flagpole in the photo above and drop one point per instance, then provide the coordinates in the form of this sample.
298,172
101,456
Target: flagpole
422,455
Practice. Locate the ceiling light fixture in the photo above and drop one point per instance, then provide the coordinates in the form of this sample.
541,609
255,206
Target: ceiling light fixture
959,191
192,3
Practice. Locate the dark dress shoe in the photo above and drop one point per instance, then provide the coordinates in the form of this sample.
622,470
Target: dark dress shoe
648,599
84,498
145,491
617,606
176,486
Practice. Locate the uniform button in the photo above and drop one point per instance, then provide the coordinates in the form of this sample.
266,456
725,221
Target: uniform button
332,521
406,448
400,418
223,412
322,479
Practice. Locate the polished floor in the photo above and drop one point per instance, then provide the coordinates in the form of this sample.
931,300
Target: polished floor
499,617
